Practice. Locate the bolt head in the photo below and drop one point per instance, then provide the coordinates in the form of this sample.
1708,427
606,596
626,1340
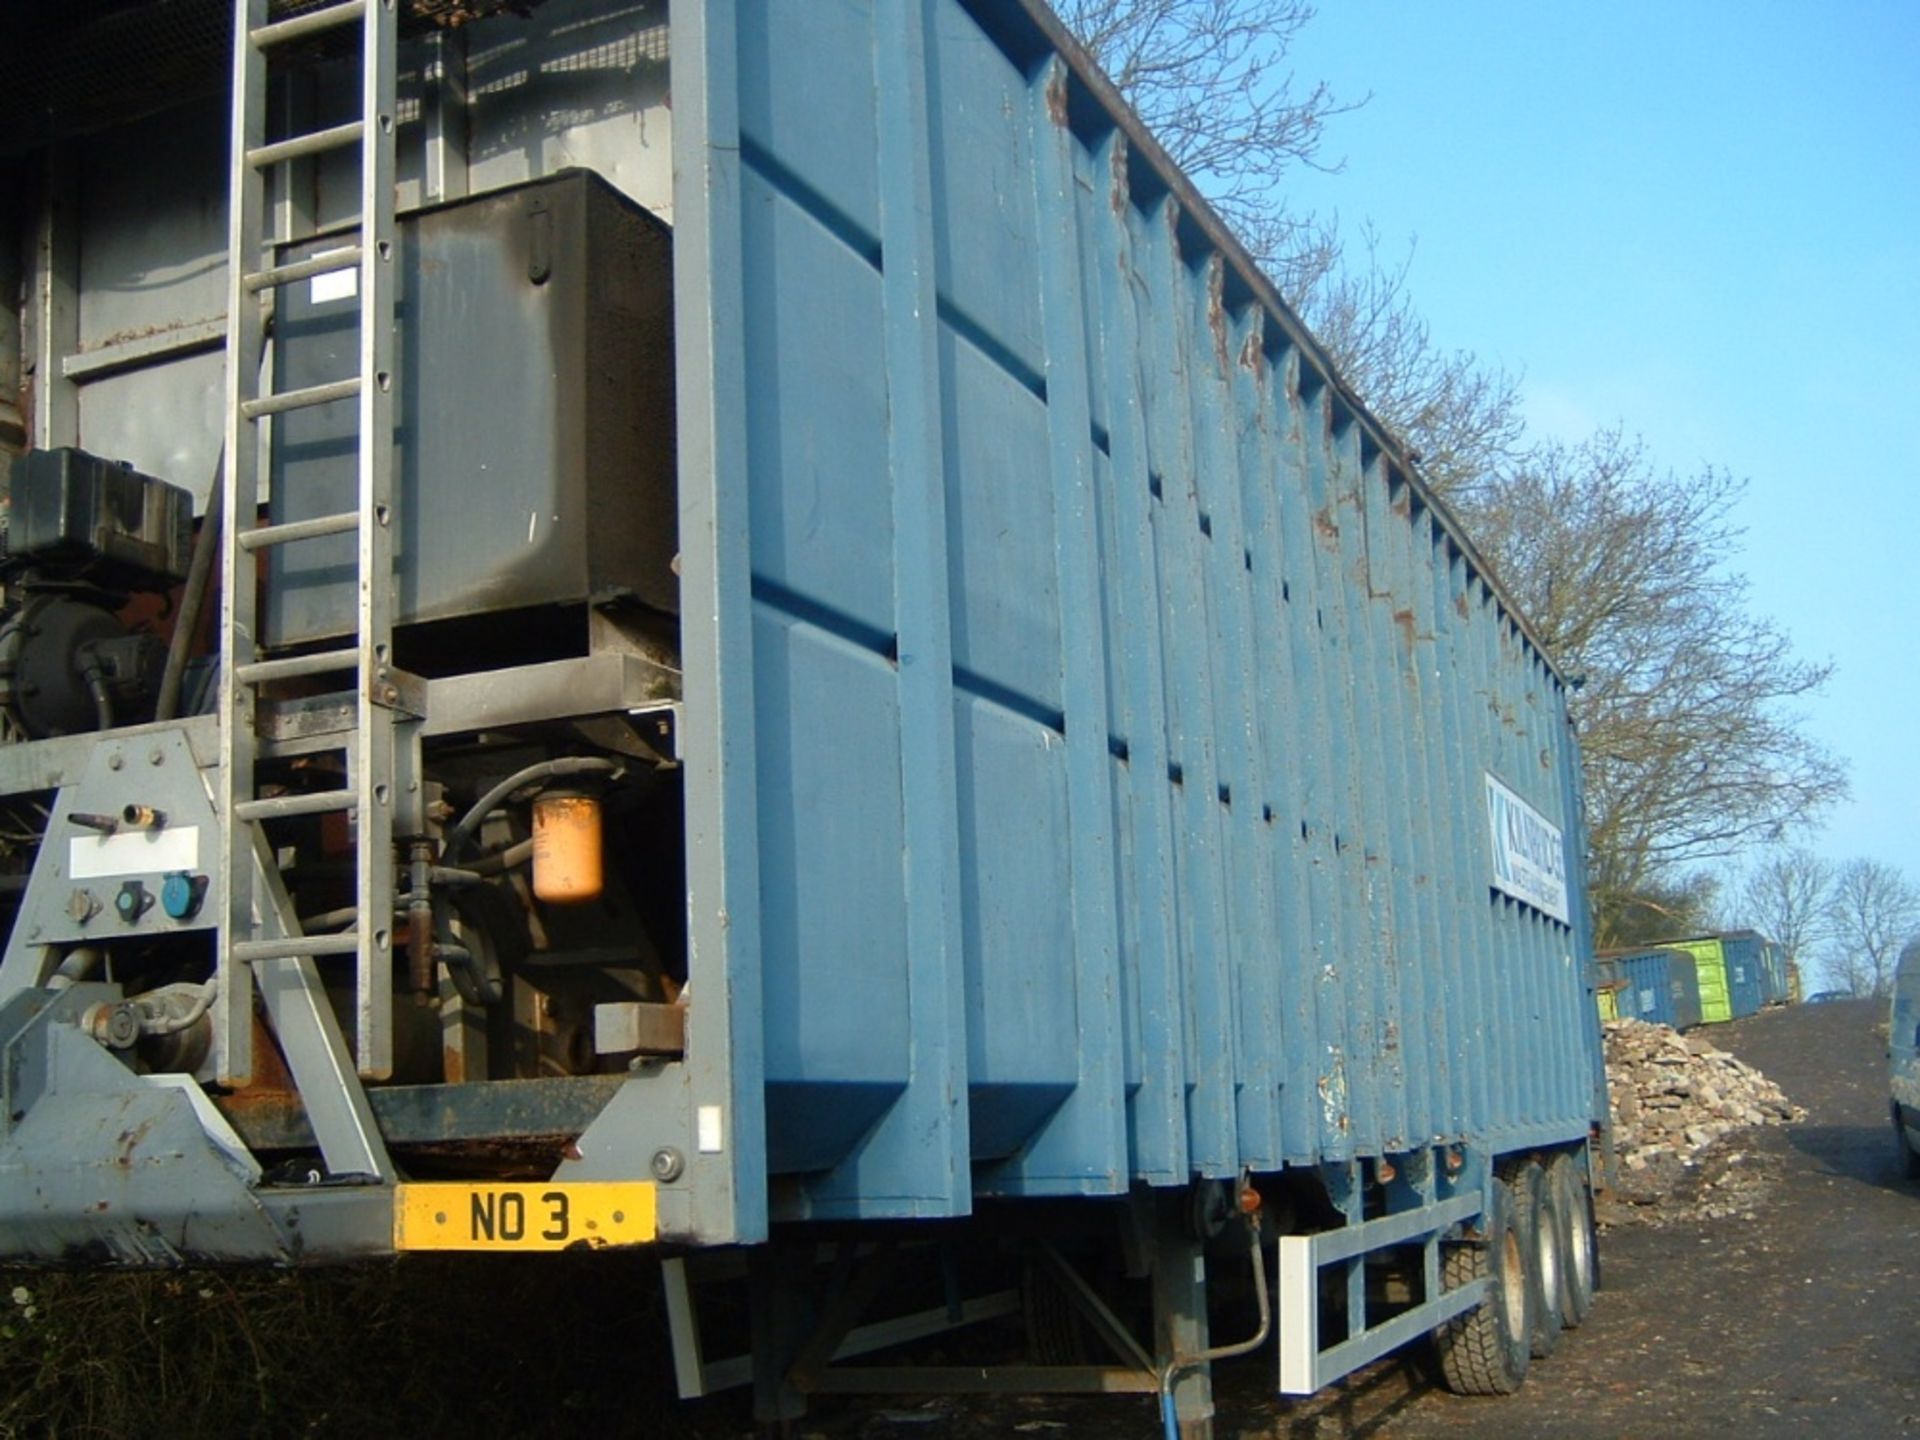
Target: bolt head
667,1165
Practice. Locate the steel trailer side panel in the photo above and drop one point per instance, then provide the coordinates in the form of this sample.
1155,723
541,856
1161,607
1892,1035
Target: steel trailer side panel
1090,780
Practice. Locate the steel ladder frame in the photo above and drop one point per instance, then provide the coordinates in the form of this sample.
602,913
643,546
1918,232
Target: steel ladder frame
259,937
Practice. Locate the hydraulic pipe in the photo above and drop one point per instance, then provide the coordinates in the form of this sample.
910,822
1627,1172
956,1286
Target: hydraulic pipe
193,597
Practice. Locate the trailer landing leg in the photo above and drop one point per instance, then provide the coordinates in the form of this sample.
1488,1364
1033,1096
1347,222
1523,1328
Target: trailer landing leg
1180,1318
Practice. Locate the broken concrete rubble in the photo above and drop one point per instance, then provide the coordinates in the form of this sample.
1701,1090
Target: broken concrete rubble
1673,1096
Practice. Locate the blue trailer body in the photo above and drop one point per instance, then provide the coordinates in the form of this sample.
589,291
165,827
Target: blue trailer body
1073,755
1089,719
1043,738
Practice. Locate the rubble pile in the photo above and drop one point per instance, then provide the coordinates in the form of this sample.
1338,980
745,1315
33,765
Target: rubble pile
1674,1095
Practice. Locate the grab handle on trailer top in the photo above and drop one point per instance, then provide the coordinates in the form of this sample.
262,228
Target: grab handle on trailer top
1304,1366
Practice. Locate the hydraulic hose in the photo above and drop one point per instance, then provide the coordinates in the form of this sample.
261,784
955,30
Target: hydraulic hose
193,598
78,965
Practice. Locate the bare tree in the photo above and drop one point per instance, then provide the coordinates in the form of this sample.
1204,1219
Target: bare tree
1691,747
1460,419
1209,78
1663,909
1873,911
1786,895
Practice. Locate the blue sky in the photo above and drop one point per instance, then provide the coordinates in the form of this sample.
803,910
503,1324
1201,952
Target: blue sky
1700,220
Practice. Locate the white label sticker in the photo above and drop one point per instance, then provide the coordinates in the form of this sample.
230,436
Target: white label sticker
133,852
1529,853
334,285
707,1129
1646,1001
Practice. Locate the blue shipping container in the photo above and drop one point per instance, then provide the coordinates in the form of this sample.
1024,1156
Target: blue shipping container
1777,973
1746,957
1658,986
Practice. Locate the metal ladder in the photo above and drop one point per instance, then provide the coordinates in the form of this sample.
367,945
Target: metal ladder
258,928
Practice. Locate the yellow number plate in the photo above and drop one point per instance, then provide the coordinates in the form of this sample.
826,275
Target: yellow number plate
556,1215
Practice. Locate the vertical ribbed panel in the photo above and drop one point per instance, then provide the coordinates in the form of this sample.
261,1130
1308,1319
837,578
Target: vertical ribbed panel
1123,709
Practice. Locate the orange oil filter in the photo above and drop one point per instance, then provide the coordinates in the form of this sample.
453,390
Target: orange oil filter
566,847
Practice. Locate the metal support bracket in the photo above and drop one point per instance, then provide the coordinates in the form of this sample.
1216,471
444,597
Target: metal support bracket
1304,1366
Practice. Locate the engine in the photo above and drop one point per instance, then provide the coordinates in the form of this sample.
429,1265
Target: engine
88,544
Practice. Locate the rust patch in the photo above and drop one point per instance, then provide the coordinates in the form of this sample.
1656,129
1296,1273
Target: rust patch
1404,620
1057,96
1327,527
1403,507
1119,192
1460,604
1253,352
134,333
1217,309
129,1141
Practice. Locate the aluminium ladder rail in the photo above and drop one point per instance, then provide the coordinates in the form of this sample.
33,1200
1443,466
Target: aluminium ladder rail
257,927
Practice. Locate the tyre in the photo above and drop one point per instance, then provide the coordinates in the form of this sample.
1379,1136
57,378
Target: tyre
1909,1157
1579,1247
1486,1350
1538,1213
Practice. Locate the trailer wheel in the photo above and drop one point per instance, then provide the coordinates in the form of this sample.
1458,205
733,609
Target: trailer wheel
1542,1224
1486,1350
1579,1249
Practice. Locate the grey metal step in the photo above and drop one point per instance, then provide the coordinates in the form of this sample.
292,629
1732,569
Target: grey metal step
279,807
262,536
311,23
314,142
293,946
325,662
345,258
301,399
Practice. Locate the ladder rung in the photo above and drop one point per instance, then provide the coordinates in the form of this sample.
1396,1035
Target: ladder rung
344,258
314,142
297,945
261,536
300,399
313,22
326,662
280,807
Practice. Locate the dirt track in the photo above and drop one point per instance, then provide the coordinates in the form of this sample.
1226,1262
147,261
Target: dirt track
1799,1316
1804,1319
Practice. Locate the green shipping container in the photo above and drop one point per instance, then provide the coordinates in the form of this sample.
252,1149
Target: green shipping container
1709,958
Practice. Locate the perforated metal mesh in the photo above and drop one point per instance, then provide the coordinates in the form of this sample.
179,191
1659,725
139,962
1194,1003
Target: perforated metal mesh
74,66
